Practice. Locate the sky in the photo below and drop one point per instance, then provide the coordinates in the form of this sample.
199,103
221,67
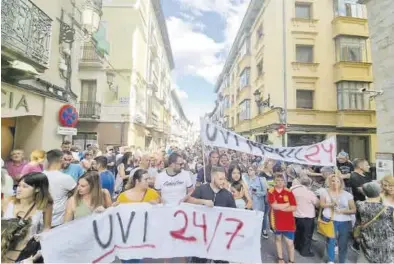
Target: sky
201,33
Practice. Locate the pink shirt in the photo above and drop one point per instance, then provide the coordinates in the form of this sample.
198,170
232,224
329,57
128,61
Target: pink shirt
306,201
15,170
32,168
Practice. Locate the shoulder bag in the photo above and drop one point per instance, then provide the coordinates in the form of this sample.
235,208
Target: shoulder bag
14,230
326,228
357,230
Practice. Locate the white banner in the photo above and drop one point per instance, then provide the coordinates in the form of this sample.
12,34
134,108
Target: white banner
320,154
135,231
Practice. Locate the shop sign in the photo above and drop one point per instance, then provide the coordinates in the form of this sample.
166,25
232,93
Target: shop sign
14,102
67,131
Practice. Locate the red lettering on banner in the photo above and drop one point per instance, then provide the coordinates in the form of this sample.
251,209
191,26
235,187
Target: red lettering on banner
203,226
313,154
329,150
235,233
214,231
180,234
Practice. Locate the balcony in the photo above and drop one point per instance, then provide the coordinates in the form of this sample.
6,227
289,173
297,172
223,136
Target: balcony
243,126
356,119
89,110
245,61
353,71
305,26
305,69
91,58
350,26
25,33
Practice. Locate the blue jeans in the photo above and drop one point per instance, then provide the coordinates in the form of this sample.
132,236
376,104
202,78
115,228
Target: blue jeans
266,222
342,230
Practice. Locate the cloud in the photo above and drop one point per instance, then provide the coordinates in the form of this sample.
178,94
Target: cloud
196,53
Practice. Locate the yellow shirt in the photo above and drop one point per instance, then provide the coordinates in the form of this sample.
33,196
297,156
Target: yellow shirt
150,195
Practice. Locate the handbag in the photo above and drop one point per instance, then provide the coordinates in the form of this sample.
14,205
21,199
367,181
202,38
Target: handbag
14,230
357,230
30,250
326,228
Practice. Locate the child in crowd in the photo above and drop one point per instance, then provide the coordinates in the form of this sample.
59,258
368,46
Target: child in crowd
239,194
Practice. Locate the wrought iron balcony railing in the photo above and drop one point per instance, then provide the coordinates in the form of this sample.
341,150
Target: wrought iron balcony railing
90,110
90,54
26,33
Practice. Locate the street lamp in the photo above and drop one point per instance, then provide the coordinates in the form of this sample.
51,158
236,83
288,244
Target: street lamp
261,103
91,15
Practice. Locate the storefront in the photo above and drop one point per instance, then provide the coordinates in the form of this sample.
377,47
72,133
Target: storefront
28,120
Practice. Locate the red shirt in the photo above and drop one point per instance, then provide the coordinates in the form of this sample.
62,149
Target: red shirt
280,220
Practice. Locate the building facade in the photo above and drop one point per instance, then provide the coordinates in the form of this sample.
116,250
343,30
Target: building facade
40,50
381,27
127,87
306,74
181,134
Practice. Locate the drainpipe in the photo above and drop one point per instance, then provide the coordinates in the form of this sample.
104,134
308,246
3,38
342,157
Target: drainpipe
284,141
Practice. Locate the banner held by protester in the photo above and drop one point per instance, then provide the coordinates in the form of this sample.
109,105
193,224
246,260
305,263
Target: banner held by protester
320,154
136,231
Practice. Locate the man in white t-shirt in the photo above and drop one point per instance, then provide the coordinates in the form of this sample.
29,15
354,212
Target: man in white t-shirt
60,185
174,184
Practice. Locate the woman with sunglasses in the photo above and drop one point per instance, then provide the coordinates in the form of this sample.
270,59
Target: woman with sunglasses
87,160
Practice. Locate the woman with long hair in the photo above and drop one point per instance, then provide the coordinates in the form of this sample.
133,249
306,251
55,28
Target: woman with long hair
257,190
234,177
37,158
338,204
137,189
32,203
89,197
124,168
388,190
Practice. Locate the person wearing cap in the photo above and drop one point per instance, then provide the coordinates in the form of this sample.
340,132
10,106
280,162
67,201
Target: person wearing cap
377,237
345,167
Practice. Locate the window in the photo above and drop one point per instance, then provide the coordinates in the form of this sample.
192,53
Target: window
260,68
303,10
351,49
304,99
349,8
259,33
297,140
226,102
244,49
304,53
244,78
88,90
350,96
244,110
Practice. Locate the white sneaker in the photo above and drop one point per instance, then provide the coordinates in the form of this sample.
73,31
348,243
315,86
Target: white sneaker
336,250
331,262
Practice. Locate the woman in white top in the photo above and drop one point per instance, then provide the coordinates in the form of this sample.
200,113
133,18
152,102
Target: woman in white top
32,201
388,190
234,177
339,205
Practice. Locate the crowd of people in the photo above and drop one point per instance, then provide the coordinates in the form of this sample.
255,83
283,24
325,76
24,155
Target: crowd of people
343,203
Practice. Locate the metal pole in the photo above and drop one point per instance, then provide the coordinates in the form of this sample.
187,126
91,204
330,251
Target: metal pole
284,72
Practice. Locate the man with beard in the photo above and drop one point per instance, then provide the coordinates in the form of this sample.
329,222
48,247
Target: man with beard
69,168
212,194
174,184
